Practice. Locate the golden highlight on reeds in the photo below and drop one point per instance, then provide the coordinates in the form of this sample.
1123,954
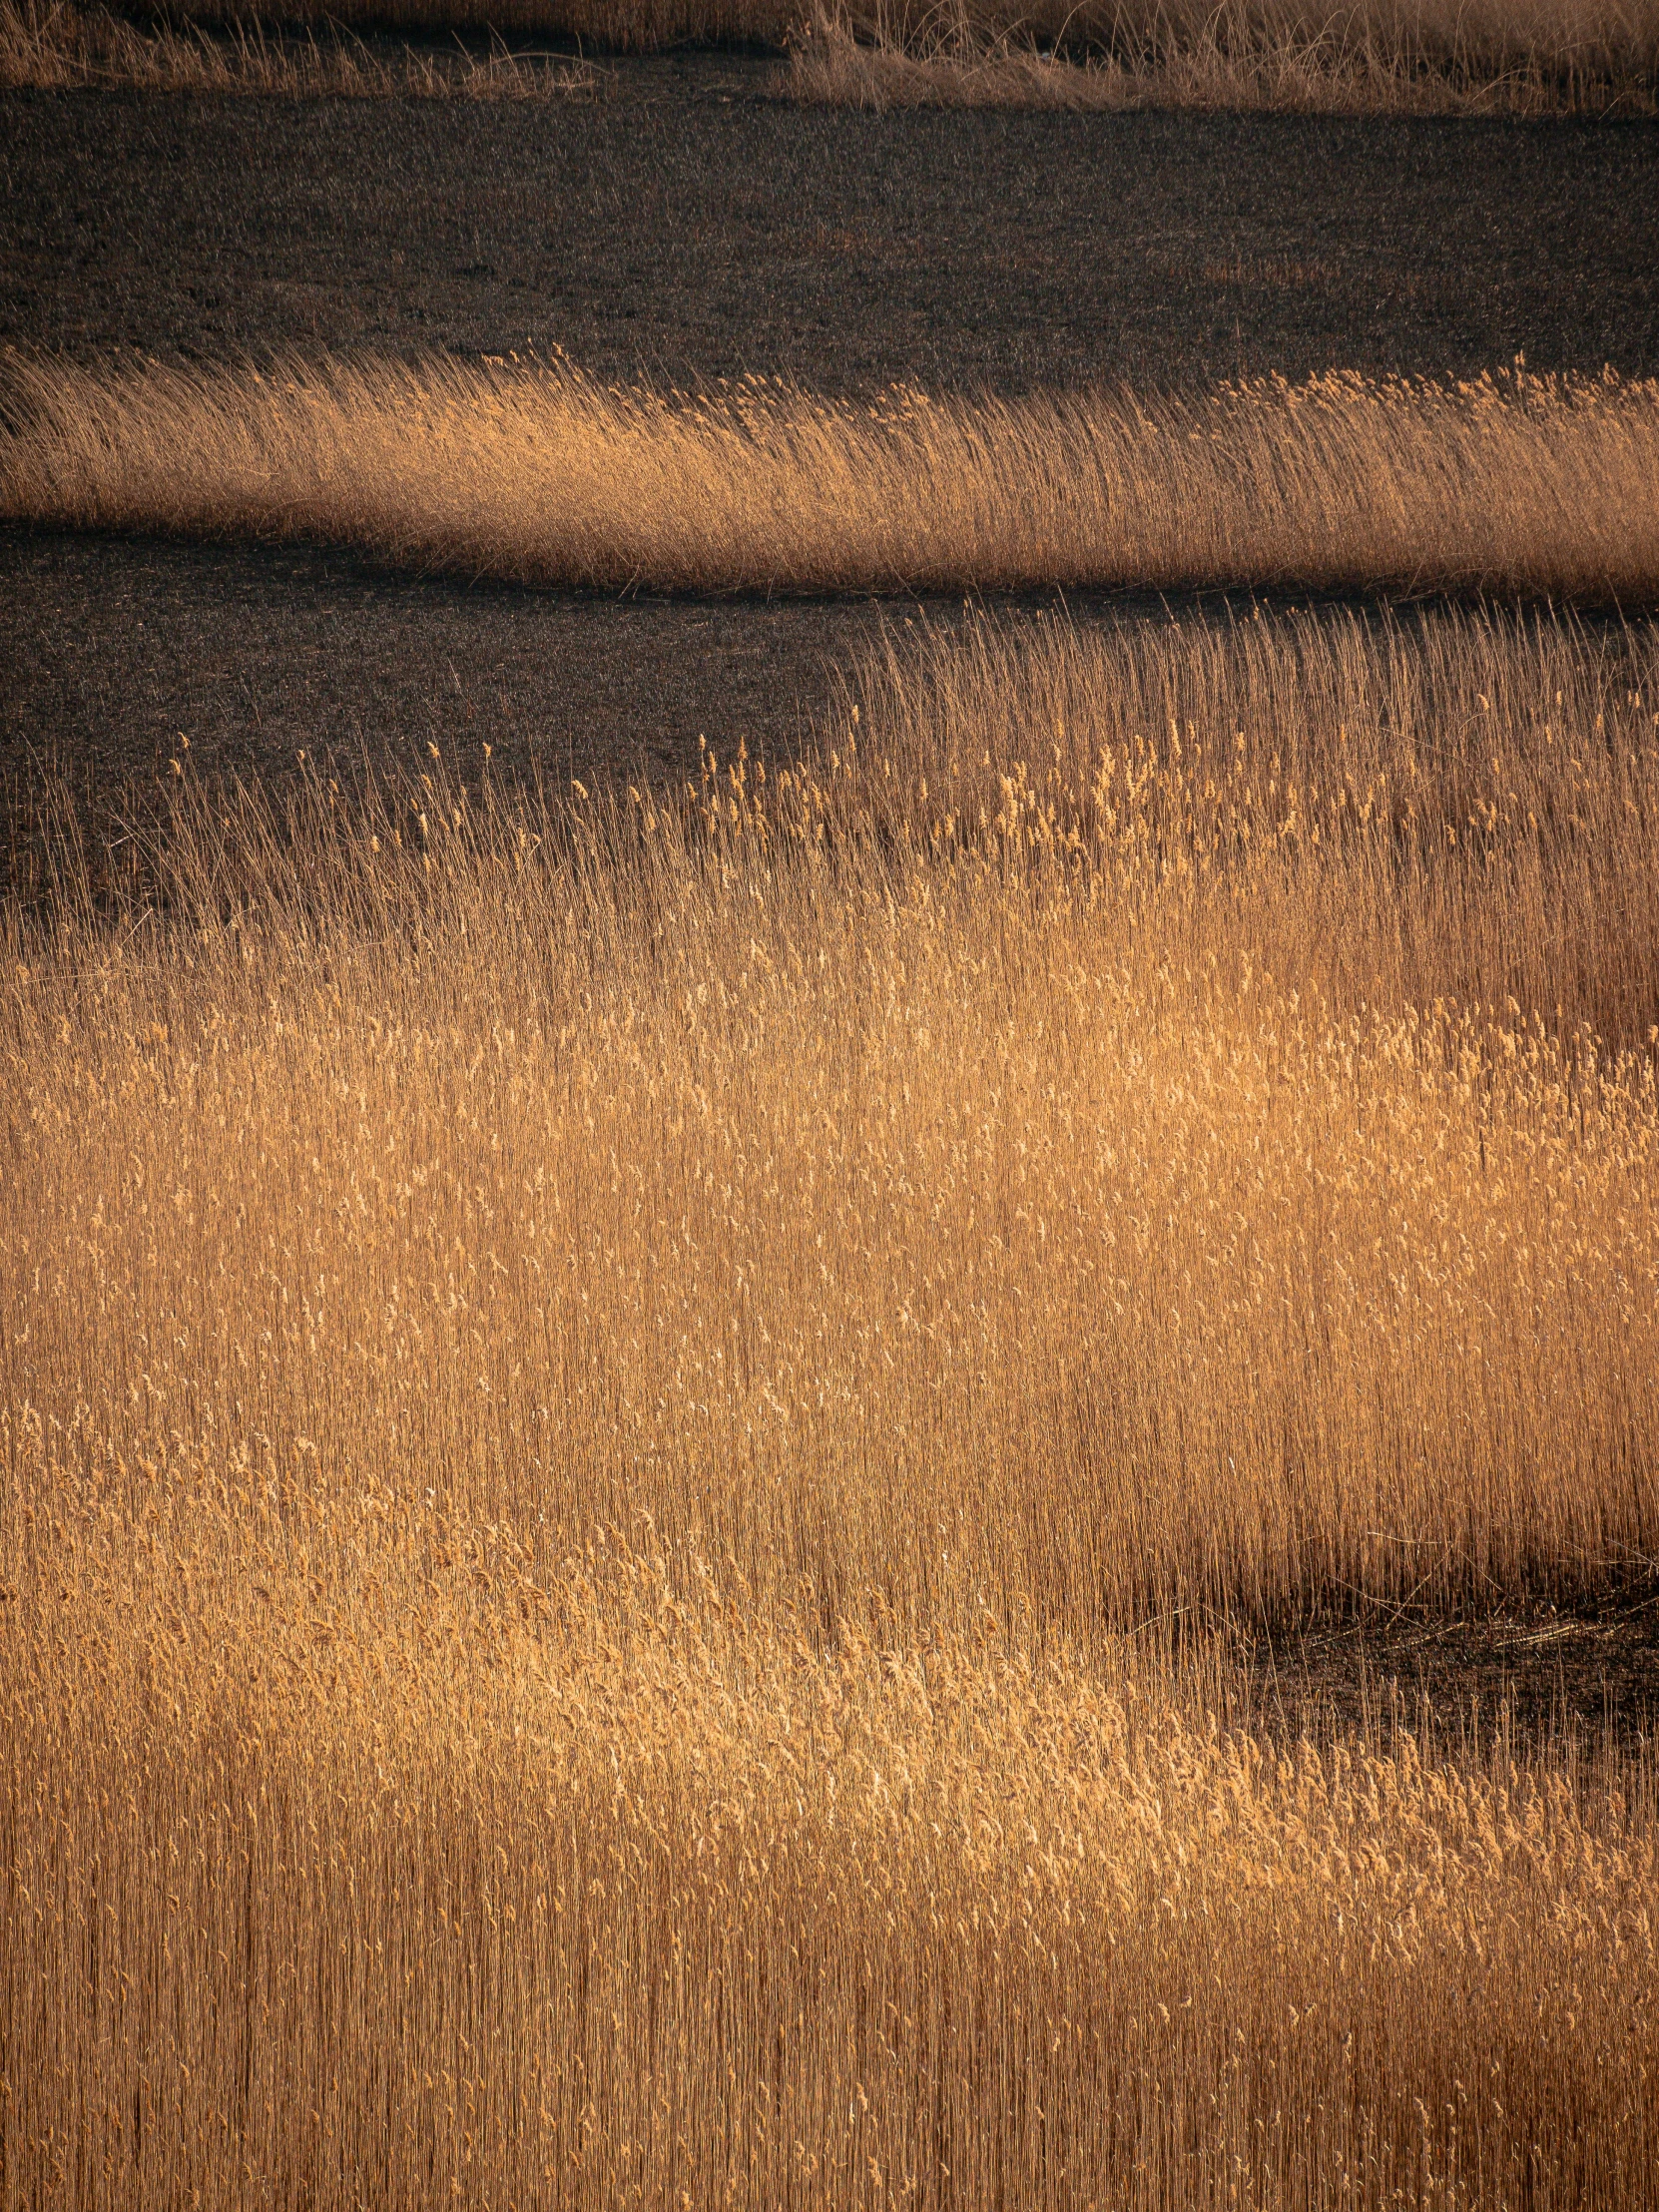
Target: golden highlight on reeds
359,1857
611,1414
533,471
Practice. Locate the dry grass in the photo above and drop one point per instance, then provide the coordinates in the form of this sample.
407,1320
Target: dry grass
592,1396
55,46
474,1879
531,471
1439,811
1551,58
928,1144
1365,56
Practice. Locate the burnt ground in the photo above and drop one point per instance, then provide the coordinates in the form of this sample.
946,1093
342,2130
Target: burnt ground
254,654
690,224
1591,1671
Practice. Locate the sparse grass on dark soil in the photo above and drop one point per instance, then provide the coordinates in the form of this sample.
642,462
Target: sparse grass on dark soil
692,226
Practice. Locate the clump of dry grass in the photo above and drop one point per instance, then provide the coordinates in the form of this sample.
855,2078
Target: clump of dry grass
54,45
597,1400
1550,58
530,470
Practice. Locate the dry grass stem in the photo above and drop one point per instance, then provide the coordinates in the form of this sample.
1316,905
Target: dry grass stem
530,470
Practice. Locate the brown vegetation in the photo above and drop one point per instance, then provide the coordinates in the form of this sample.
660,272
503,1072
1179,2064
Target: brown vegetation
354,1854
532,471
54,45
612,1412
1399,813
1232,59
1532,56
1274,54
1374,57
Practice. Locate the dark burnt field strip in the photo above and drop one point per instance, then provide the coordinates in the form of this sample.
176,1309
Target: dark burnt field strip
690,222
114,648
1593,1673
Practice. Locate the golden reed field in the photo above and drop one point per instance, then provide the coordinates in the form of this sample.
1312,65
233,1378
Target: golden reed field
534,471
639,1434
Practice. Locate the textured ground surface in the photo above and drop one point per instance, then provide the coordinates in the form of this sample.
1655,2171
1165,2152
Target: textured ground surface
254,653
1596,1670
690,224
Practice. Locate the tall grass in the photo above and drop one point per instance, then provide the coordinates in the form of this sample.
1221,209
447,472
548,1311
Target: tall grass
1574,55
1392,812
1068,1199
1396,56
531,470
352,1855
612,1412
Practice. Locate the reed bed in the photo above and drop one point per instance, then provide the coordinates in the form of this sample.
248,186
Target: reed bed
353,1857
1280,56
946,1185
631,1429
530,470
53,45
1369,56
1392,811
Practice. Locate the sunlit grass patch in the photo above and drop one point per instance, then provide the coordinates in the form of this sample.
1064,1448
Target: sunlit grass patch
531,470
